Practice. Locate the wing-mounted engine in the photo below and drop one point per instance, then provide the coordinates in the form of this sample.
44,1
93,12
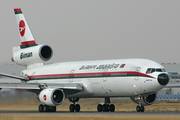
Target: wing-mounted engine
51,97
145,100
31,55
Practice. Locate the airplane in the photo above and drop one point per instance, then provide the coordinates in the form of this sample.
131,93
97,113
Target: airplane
137,78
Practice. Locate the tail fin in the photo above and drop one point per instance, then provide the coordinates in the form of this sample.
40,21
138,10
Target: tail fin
27,39
29,53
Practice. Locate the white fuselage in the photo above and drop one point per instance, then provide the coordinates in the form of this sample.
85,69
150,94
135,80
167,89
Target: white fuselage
101,78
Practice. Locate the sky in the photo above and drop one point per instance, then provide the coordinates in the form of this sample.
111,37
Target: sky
79,30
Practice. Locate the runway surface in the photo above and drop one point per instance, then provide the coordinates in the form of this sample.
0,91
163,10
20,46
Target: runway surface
92,113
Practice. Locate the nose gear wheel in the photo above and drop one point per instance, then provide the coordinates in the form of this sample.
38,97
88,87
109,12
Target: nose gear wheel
140,108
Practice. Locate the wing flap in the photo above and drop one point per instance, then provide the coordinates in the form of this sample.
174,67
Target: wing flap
69,86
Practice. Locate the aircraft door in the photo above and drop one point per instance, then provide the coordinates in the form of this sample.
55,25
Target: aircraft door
104,83
136,76
71,75
105,75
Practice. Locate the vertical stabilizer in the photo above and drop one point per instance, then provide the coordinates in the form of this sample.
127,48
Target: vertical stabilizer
29,53
27,39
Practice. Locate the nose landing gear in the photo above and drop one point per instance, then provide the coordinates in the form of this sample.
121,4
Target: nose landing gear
140,108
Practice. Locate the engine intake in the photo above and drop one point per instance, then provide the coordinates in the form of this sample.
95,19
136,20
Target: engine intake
52,97
145,100
45,53
31,55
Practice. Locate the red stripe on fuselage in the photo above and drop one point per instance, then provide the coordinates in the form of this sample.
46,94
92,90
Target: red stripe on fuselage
88,74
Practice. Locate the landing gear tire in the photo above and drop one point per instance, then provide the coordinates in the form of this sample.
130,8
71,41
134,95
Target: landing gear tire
74,107
111,108
99,108
140,108
71,108
46,108
41,108
53,109
77,107
105,108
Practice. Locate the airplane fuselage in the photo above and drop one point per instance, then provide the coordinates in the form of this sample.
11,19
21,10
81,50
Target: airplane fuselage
100,78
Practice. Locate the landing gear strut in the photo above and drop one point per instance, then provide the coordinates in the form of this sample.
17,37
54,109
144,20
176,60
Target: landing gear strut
45,108
140,108
74,107
106,107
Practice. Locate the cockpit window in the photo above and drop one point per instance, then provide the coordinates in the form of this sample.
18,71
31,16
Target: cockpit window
158,70
148,70
151,70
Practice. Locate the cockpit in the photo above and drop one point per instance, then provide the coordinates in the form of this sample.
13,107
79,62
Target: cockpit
151,70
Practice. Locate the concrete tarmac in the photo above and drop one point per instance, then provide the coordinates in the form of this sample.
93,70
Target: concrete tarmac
91,113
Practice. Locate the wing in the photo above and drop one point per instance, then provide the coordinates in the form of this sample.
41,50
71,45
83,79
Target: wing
68,88
15,77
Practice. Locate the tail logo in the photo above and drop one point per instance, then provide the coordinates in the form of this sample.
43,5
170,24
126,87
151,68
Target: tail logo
22,27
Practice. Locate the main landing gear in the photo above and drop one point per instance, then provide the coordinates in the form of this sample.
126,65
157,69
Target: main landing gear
74,107
106,107
45,108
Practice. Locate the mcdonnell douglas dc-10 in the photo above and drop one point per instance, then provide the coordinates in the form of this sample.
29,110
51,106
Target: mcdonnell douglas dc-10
139,79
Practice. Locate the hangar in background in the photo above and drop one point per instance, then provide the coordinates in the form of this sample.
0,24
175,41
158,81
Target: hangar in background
173,70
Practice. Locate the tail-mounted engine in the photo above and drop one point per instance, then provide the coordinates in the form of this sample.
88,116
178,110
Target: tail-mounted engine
145,100
31,55
51,97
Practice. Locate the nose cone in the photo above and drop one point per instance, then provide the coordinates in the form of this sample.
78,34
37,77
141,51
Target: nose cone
163,79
